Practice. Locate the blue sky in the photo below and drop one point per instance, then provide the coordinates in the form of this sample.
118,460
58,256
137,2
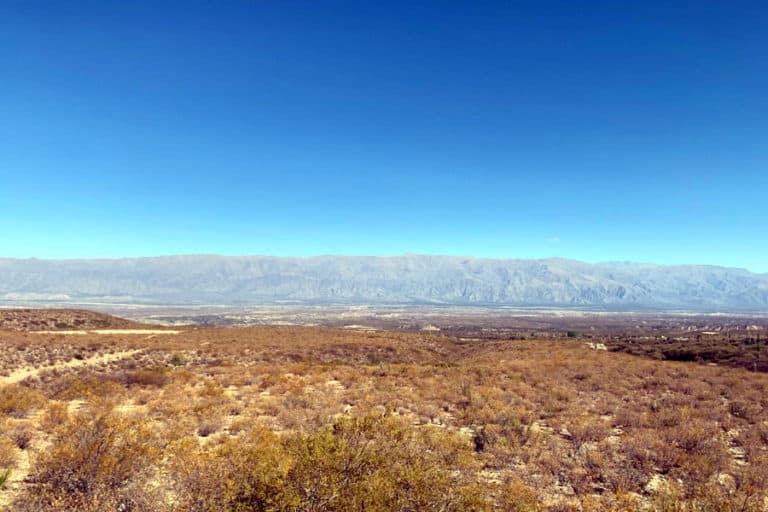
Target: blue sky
590,130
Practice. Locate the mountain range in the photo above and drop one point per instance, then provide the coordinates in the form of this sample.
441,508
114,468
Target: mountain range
418,279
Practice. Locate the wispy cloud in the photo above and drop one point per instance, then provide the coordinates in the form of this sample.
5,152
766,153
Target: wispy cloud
553,240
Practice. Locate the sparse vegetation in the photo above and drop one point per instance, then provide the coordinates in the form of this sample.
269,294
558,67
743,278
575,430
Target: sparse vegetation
320,419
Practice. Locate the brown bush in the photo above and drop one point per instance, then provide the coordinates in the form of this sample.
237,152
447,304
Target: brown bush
235,475
54,416
97,458
21,434
71,387
208,426
8,453
588,429
16,401
157,377
516,496
372,463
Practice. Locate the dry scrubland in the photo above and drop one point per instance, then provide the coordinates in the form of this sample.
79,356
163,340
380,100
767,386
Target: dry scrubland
60,319
308,419
740,351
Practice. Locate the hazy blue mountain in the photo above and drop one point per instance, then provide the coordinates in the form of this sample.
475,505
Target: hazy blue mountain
396,279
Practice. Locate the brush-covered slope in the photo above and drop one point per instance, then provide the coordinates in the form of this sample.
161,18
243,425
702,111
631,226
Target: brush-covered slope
60,319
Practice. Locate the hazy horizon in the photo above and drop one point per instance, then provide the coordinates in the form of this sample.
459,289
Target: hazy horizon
393,255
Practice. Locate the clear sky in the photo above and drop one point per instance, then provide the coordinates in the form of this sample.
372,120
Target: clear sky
596,130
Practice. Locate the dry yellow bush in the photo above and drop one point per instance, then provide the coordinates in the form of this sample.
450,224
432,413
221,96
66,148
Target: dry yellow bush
97,457
8,453
373,463
54,416
16,400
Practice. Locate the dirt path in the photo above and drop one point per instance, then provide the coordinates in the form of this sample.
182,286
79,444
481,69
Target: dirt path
23,373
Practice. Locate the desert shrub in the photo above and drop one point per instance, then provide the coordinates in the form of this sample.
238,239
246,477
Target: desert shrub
235,475
54,416
503,442
762,432
239,425
752,482
208,427
157,377
211,390
667,416
516,496
8,453
372,463
743,409
621,477
16,401
71,387
629,418
588,429
97,459
21,434
694,438
648,452
709,498
177,359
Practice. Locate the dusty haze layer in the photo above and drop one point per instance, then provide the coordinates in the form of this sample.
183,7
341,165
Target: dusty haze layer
397,279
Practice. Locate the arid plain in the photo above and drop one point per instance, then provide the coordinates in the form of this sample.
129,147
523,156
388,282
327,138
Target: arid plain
99,413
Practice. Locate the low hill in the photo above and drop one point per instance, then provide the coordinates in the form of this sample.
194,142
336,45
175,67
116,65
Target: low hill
60,320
